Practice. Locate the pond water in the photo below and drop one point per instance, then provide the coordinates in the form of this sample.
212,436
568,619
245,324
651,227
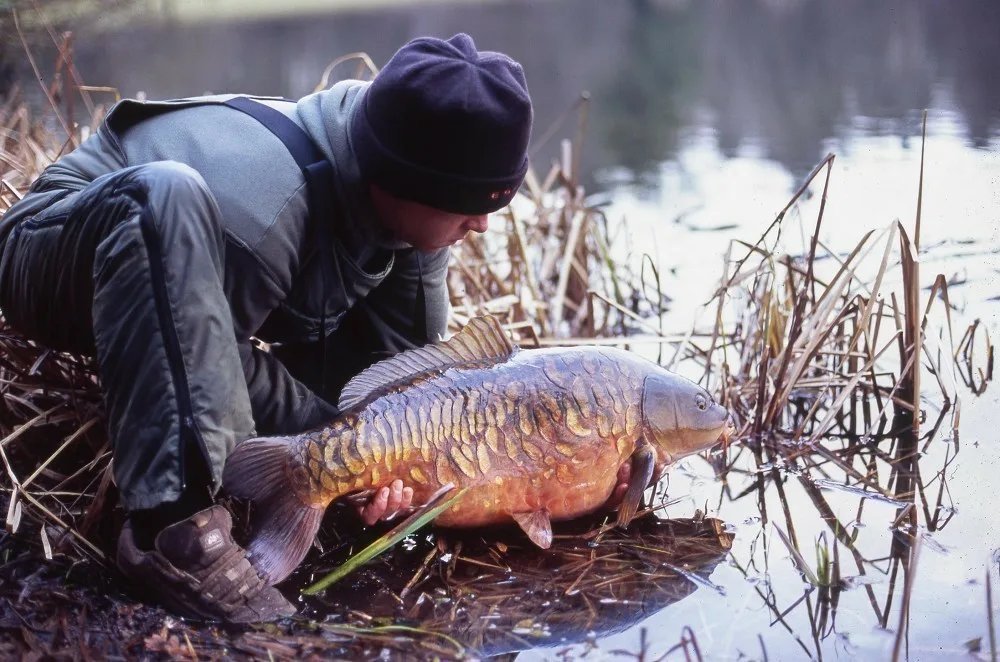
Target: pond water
703,120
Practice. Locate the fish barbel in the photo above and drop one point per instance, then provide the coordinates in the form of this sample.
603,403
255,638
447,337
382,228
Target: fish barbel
534,436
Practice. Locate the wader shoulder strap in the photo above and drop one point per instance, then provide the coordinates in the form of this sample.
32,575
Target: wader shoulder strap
315,167
318,173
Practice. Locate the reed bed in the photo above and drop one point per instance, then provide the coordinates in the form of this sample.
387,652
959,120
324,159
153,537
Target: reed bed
838,368
827,360
841,372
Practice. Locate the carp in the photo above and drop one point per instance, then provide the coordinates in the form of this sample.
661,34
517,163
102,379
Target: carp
534,436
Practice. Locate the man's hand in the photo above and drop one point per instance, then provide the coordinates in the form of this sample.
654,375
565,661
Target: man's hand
386,503
621,485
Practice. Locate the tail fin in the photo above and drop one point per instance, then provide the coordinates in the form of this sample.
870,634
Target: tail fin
283,526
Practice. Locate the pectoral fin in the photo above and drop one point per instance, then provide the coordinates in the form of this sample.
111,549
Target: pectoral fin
537,525
643,467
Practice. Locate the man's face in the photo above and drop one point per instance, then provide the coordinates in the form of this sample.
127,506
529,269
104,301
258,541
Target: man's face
425,228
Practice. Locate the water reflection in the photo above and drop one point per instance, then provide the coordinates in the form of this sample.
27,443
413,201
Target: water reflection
500,594
640,110
858,470
777,79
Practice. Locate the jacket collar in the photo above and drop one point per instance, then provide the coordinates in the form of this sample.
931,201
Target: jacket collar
326,116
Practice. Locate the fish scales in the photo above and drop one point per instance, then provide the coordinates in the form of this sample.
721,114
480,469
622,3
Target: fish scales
492,438
395,419
382,441
352,455
410,427
527,417
447,422
460,408
420,435
500,411
511,448
435,431
475,415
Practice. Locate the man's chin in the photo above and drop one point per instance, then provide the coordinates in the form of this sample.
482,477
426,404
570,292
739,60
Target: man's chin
430,248
447,244
433,248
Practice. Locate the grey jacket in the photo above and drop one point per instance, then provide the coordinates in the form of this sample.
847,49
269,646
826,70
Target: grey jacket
272,264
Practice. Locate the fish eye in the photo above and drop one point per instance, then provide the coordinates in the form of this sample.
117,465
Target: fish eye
701,402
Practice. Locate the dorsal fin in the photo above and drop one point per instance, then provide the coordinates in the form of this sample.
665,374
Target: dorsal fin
480,340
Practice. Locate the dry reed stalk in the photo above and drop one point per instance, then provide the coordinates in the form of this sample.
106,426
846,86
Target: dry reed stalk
549,260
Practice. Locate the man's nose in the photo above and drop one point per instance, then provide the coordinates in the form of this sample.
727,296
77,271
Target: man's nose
477,223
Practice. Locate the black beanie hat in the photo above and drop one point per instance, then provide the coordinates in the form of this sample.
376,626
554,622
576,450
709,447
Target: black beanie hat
446,125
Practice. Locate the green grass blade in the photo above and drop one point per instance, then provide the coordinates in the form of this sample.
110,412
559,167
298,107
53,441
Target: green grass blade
434,507
800,563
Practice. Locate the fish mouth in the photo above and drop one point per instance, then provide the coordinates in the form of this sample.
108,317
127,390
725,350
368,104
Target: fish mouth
728,431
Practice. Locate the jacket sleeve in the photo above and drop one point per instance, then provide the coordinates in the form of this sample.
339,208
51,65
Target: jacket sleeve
280,403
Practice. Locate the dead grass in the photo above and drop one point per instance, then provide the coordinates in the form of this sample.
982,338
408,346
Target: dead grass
499,593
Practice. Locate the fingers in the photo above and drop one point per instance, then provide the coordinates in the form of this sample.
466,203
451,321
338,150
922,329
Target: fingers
360,499
407,499
387,503
617,494
376,507
400,499
395,498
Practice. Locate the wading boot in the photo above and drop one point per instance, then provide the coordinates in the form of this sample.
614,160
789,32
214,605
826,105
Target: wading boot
196,570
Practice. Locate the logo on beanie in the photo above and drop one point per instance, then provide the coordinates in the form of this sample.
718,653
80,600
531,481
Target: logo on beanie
495,195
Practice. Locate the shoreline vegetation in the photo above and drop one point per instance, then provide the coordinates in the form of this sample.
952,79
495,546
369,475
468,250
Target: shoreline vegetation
197,11
110,13
825,358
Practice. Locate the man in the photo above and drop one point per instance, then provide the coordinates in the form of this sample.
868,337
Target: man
182,229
